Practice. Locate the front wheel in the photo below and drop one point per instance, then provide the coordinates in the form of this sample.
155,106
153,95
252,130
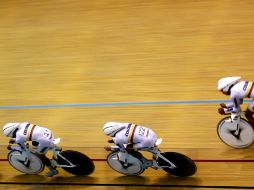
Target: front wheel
83,164
184,165
226,133
33,166
133,168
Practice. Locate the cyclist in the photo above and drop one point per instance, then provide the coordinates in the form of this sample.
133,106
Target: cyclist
237,90
40,137
129,136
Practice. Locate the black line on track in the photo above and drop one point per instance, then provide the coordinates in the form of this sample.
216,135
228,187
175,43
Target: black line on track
104,160
130,185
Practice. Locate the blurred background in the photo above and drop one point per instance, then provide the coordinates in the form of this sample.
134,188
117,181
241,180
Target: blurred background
72,66
68,65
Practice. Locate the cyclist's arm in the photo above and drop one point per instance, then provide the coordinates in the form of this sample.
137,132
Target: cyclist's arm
21,142
237,101
232,107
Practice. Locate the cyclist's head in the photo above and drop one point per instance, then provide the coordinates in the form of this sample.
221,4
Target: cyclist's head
225,84
111,128
10,129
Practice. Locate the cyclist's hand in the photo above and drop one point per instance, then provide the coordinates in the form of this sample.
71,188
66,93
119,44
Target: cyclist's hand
9,147
11,141
221,111
107,148
223,105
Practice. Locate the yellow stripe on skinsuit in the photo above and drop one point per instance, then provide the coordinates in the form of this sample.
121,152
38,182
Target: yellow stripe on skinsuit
248,89
29,131
130,137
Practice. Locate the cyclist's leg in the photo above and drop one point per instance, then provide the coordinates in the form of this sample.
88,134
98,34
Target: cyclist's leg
250,112
42,150
146,141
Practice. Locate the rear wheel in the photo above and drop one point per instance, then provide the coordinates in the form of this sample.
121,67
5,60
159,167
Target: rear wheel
184,165
83,164
133,168
226,133
33,166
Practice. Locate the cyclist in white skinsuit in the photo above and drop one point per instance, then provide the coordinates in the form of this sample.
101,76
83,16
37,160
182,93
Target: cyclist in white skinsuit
130,136
237,90
40,136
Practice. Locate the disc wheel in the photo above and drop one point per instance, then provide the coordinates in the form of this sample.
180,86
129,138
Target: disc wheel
184,165
83,164
33,166
133,168
226,132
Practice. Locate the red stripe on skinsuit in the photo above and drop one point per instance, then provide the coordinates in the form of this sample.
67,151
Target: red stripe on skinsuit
132,135
250,90
30,138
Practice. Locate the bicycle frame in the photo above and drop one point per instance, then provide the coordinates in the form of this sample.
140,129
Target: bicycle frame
156,153
150,163
56,152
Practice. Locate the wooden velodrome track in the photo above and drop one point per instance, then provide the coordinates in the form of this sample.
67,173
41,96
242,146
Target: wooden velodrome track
73,65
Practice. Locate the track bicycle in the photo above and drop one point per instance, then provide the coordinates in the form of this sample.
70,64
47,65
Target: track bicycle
133,163
28,162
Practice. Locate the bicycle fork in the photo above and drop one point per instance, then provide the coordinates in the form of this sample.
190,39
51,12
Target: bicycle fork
24,158
156,154
235,119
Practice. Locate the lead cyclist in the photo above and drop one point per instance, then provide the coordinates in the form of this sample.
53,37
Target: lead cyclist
237,89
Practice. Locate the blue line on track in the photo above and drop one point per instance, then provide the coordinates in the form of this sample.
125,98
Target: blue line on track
115,104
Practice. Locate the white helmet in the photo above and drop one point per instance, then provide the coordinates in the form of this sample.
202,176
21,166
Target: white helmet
225,83
10,128
111,128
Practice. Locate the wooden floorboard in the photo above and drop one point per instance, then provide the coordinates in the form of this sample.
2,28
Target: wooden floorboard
72,66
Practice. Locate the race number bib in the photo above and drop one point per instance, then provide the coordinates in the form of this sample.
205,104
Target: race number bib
143,131
46,133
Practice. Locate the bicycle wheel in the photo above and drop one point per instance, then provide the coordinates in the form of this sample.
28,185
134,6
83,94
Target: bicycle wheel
225,131
84,165
34,165
184,165
134,167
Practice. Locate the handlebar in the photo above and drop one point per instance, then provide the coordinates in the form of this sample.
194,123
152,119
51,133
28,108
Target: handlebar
14,146
228,110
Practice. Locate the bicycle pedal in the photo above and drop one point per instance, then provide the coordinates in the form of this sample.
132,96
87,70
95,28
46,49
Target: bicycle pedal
53,163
